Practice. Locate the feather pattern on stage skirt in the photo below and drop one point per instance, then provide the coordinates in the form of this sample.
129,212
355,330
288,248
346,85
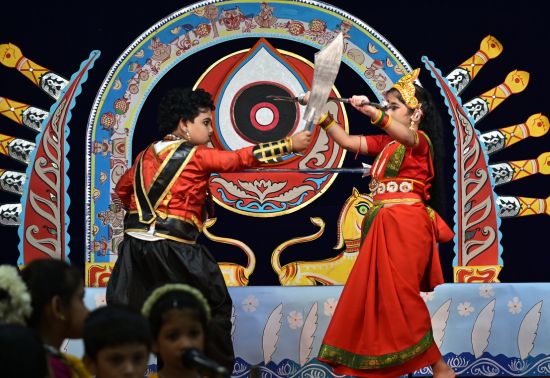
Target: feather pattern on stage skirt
439,322
271,333
232,321
528,330
482,329
306,337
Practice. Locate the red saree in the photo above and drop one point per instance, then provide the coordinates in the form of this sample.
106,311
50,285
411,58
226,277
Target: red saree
381,326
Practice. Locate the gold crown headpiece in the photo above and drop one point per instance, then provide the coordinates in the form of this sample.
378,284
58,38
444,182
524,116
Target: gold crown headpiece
405,86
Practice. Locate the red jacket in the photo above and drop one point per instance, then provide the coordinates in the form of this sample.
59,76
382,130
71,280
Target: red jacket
185,196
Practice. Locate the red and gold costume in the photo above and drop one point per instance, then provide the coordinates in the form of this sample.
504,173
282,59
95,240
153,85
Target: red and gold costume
381,326
184,198
164,194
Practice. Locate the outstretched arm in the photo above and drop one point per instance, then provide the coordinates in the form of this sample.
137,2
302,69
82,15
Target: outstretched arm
213,160
354,143
398,131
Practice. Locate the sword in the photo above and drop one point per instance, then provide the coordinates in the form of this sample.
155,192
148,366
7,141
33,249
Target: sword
365,170
326,65
300,97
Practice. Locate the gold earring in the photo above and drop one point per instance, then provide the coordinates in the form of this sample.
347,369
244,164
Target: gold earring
187,135
61,317
415,117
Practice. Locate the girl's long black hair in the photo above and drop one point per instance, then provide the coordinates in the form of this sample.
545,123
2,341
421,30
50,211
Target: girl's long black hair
45,279
432,125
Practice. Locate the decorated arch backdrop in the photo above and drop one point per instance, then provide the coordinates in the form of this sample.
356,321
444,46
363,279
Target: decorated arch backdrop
503,127
168,43
240,83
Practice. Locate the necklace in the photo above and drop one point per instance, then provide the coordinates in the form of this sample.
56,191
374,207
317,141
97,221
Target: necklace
172,137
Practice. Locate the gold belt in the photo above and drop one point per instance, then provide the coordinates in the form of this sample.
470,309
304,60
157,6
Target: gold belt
397,200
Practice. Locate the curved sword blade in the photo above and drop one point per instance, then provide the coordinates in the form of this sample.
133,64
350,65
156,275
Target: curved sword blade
327,63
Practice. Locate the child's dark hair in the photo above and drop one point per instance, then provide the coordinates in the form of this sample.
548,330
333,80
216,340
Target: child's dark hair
46,279
432,125
182,104
112,326
175,297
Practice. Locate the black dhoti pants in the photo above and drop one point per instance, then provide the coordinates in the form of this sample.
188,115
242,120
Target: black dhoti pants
142,266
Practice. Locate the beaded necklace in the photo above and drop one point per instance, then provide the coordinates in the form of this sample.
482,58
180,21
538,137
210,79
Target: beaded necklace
172,137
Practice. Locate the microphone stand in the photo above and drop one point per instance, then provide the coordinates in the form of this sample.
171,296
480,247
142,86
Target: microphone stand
207,367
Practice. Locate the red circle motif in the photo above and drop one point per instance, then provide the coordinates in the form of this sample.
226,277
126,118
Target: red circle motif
254,112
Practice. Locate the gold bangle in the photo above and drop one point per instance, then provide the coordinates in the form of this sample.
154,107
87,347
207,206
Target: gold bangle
323,118
327,121
385,122
329,126
289,142
378,118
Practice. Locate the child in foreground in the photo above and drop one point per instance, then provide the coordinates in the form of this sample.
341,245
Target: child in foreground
117,343
58,312
178,315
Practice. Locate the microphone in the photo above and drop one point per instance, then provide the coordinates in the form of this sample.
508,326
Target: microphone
193,359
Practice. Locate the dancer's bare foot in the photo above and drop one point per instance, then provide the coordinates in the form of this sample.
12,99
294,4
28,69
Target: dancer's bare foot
442,370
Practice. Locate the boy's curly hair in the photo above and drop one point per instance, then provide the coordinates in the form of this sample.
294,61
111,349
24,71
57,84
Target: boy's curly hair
182,104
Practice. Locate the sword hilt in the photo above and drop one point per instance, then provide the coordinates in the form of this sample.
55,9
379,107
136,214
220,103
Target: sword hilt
348,101
300,99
